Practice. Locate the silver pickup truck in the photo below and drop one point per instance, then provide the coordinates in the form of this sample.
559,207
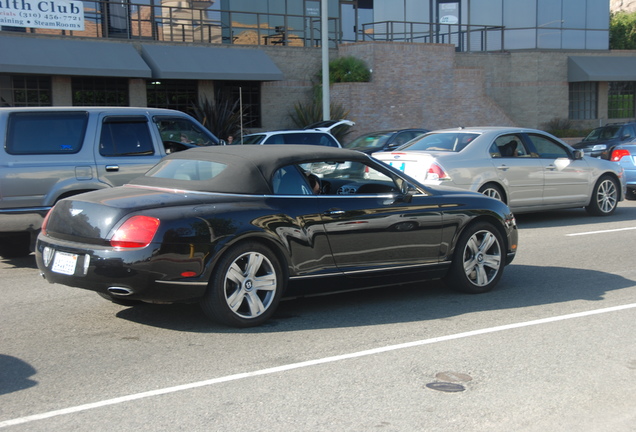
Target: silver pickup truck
50,153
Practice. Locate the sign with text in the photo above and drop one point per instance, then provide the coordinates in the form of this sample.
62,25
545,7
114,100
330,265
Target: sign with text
50,14
448,12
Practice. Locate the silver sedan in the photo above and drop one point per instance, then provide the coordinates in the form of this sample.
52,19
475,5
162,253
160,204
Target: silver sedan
528,169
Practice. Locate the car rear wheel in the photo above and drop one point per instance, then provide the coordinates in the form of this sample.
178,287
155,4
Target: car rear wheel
493,191
245,288
604,197
479,259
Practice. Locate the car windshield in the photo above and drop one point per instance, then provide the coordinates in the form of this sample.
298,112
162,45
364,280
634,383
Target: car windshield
442,141
603,133
374,140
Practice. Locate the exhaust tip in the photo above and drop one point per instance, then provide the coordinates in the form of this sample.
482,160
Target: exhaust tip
120,291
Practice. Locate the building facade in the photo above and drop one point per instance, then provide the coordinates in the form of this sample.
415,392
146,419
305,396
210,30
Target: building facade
435,63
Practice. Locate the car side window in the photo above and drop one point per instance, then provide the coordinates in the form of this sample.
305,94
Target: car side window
327,140
275,139
182,130
548,149
125,137
45,132
508,146
289,180
628,132
349,177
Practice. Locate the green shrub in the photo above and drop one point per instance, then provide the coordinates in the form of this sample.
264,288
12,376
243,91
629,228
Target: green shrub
347,69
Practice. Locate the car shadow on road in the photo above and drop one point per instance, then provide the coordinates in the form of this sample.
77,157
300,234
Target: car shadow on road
521,286
573,217
21,262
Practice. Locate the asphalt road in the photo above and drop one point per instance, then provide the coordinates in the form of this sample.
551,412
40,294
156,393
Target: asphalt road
551,348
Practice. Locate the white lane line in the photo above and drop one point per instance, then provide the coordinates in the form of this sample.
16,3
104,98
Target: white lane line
600,232
285,368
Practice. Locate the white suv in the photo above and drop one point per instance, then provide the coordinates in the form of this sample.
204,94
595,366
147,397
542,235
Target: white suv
315,134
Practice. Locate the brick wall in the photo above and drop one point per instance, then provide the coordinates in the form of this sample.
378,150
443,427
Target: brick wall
431,86
415,85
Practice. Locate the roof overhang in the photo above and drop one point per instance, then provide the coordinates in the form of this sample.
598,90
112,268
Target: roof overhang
32,55
601,68
209,63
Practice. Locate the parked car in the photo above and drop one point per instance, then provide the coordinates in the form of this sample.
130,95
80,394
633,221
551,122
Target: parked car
317,134
49,153
528,169
384,140
237,227
625,155
600,142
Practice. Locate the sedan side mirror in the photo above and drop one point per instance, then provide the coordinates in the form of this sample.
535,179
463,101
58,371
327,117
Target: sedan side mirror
578,154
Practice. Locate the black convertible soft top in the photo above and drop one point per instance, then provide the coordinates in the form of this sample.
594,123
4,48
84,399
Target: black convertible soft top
249,168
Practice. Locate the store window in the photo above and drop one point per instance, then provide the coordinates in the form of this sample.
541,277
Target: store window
27,90
620,99
179,95
583,100
249,94
99,91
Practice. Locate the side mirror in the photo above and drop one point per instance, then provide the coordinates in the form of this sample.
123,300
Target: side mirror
406,191
578,154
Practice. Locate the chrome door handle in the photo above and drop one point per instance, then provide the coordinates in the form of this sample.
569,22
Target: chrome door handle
503,167
334,212
112,167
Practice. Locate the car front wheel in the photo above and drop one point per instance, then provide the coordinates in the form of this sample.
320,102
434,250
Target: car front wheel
604,197
478,261
245,288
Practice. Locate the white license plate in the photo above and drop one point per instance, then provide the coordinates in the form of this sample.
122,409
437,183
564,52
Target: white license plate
64,263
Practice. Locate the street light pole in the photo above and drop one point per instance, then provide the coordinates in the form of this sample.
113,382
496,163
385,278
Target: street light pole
324,17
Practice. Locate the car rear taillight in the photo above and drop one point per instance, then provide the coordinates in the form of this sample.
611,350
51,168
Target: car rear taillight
45,222
618,154
436,172
136,232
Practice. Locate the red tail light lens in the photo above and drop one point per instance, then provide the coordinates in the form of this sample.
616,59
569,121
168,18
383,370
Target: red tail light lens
436,172
618,154
45,222
136,232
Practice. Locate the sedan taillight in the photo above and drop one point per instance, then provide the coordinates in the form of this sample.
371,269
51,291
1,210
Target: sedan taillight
618,154
45,222
436,172
136,232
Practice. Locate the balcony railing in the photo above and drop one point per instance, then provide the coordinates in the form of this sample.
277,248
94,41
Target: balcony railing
464,37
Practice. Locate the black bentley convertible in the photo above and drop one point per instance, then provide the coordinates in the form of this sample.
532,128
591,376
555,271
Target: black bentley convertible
238,227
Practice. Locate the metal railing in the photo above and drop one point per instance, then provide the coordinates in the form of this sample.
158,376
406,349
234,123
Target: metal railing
465,37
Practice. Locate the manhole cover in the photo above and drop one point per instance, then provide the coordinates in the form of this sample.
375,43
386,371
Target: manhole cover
446,387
